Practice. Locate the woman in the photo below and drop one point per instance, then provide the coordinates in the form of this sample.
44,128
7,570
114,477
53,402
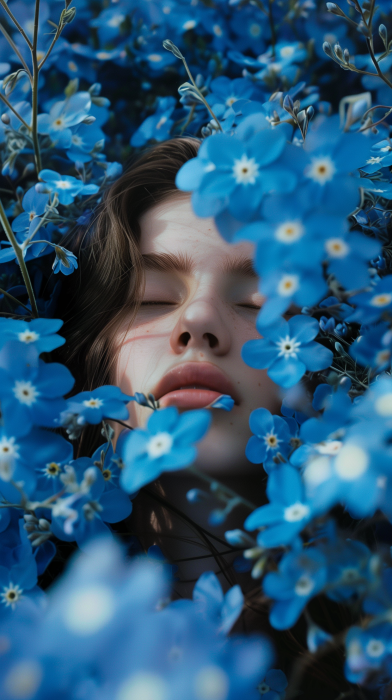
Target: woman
162,304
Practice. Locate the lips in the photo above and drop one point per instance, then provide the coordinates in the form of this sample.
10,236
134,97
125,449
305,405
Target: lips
193,385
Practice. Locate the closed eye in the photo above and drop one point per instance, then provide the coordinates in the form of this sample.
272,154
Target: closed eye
250,306
157,303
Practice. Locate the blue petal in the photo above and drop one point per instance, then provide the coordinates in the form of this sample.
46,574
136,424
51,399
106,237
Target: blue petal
286,371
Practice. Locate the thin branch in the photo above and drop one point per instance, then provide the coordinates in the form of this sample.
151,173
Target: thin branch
6,294
16,50
16,23
49,51
9,105
224,489
19,254
34,123
375,63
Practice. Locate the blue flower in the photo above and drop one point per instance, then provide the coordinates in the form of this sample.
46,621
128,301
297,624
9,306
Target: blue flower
41,333
370,305
158,125
166,445
273,685
226,92
289,285
66,186
65,261
213,603
30,389
290,232
271,436
89,506
288,350
331,156
236,174
367,651
105,402
83,139
224,402
62,116
300,577
288,512
351,569
23,459
373,347
348,258
34,205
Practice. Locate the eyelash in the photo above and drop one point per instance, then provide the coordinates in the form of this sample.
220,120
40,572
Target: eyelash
171,303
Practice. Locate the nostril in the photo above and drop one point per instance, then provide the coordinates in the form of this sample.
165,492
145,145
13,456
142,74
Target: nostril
184,339
212,339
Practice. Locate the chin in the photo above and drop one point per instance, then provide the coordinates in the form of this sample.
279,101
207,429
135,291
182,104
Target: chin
223,452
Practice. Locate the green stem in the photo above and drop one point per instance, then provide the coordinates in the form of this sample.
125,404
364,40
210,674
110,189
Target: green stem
224,489
15,48
375,63
9,105
49,51
272,28
34,124
2,291
16,23
19,255
200,94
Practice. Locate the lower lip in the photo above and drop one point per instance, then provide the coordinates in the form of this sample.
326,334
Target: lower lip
189,398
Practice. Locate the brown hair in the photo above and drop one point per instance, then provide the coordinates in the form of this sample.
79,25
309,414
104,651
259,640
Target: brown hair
105,288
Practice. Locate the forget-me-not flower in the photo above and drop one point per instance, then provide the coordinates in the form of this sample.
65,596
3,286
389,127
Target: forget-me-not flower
287,350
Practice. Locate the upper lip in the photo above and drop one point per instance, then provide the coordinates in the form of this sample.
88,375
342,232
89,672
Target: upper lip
190,374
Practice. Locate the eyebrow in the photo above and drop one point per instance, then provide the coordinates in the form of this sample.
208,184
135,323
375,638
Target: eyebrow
178,262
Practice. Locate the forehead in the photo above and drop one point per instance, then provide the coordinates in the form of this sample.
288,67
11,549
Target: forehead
172,227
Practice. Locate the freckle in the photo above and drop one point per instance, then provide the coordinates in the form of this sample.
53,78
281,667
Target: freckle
231,423
259,384
238,382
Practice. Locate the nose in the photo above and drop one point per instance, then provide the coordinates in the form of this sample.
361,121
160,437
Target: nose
201,326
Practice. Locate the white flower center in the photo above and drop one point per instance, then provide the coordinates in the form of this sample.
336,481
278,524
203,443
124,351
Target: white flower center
143,686
154,57
89,609
330,447
116,20
383,405
288,285
10,595
375,648
336,248
288,347
317,472
289,232
255,30
349,575
321,170
351,462
160,444
304,585
23,680
58,123
382,357
76,140
211,683
245,170
217,29
28,336
263,688
51,470
271,440
295,512
230,101
287,51
25,392
374,160
8,454
93,403
161,122
381,300
63,184
190,24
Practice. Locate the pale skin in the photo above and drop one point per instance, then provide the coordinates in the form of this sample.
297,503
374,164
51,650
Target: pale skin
202,309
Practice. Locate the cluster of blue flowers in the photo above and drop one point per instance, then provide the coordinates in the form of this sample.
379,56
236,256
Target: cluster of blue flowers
307,180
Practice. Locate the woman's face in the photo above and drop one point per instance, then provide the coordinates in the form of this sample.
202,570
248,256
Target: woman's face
199,307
